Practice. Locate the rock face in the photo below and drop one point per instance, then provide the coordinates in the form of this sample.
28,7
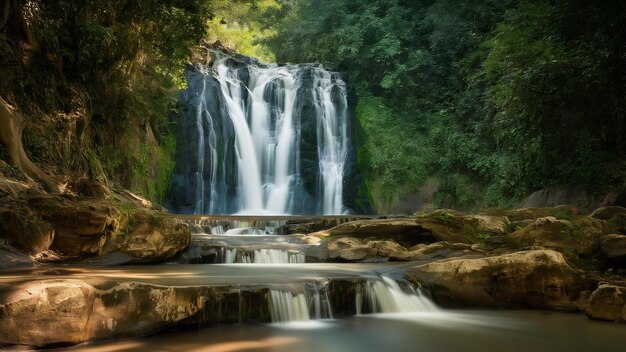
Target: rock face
443,225
537,279
33,311
70,311
608,302
576,195
25,230
580,236
81,227
355,249
546,232
34,222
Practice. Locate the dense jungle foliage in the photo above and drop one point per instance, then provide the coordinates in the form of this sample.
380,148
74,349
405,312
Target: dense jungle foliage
96,81
490,99
462,103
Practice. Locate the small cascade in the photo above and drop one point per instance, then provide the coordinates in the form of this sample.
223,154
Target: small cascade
260,256
386,296
304,302
288,306
234,227
311,301
272,256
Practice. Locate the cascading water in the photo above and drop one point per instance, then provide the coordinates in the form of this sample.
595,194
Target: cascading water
386,296
262,139
260,256
383,295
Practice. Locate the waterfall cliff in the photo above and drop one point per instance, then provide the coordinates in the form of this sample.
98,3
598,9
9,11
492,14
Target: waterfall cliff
260,139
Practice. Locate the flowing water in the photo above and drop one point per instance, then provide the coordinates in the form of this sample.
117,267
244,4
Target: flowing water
468,331
262,139
326,307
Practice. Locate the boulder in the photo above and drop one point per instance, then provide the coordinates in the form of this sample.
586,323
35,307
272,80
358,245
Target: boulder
57,312
536,278
578,237
150,237
81,227
608,302
491,224
48,312
606,213
355,249
613,246
546,232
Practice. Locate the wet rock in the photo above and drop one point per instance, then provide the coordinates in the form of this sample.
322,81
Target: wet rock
537,279
608,302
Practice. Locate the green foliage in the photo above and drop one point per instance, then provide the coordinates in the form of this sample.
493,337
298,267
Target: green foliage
493,99
558,80
236,24
98,94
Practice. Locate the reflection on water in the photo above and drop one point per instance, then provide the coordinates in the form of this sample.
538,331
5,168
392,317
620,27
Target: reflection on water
510,331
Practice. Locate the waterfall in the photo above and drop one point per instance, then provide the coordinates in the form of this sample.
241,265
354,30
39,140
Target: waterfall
304,302
312,301
262,139
261,256
386,296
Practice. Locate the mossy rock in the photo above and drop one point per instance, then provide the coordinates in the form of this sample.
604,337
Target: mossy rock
565,212
606,213
578,237
149,237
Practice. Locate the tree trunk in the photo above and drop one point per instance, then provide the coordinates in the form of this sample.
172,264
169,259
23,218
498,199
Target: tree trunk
11,128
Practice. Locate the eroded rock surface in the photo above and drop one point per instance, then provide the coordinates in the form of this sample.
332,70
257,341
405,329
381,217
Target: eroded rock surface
71,311
537,279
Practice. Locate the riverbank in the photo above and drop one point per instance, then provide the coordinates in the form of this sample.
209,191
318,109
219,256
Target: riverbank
66,264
